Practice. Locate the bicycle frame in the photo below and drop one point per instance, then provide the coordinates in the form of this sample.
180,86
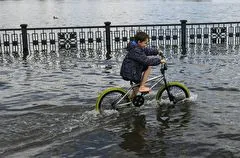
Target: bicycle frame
156,79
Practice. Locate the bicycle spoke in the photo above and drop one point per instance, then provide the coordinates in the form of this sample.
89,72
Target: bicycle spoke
176,92
113,100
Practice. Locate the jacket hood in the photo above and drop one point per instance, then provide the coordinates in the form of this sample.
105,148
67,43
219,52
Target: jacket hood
131,45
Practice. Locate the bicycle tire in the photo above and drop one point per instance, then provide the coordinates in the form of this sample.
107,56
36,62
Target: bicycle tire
178,90
108,97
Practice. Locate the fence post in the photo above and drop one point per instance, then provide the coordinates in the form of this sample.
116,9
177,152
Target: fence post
108,39
183,34
24,40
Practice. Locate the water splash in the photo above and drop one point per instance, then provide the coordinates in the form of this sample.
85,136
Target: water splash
109,112
193,97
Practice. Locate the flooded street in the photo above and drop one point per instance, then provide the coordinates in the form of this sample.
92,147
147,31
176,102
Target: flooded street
47,109
47,102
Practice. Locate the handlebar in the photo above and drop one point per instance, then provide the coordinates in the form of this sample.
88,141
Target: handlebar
160,53
163,68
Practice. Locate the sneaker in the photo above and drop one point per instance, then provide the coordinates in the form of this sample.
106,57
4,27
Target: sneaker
144,89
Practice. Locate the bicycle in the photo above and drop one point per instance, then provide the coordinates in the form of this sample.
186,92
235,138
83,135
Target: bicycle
116,97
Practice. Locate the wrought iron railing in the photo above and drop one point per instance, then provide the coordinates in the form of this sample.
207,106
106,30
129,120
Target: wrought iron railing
111,38
160,35
213,33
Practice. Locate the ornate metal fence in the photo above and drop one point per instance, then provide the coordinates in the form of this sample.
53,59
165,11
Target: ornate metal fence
213,33
111,38
10,40
25,40
160,35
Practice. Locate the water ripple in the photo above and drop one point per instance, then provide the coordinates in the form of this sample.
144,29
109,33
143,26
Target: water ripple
229,136
4,85
231,89
47,109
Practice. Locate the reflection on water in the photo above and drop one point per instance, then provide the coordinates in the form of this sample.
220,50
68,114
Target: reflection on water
179,114
149,139
134,139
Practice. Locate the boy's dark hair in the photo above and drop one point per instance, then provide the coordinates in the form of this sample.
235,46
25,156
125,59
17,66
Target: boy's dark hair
141,36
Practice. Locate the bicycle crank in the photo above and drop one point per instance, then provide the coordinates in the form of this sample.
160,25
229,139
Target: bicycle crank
138,101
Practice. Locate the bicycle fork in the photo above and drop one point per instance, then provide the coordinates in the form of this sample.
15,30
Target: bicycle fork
170,96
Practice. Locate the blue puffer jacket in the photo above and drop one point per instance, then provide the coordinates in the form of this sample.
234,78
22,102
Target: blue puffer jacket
136,61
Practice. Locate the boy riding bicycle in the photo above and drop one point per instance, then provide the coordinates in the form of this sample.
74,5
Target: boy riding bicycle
136,65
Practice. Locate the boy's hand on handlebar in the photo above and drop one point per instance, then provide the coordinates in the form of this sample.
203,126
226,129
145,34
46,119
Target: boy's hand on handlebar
163,61
160,53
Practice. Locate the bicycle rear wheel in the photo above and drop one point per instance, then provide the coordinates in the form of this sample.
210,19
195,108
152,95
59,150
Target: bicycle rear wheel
111,99
178,92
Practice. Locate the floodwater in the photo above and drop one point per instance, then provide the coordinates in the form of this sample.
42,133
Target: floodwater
47,101
47,109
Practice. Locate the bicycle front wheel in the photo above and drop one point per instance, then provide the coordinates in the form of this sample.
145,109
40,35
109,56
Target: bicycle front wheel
178,92
111,99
